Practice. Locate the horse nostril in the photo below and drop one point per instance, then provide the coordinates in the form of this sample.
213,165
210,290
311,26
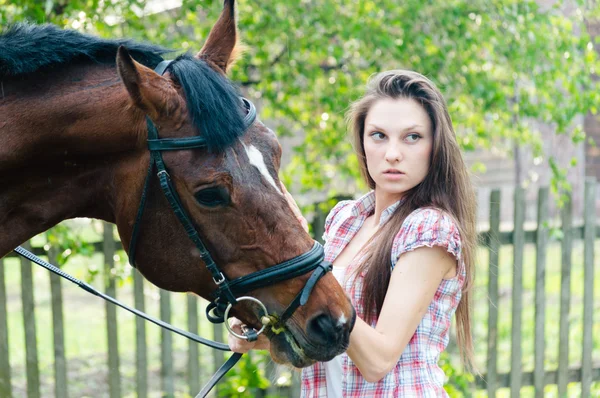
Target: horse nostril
324,329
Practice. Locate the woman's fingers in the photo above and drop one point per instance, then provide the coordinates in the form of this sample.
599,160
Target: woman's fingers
238,345
242,346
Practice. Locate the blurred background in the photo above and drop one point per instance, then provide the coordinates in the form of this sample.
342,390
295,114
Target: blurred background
521,82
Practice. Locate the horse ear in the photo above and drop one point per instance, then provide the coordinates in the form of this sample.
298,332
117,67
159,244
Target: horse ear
222,46
147,89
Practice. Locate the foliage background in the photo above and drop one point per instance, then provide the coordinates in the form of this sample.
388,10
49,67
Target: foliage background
499,63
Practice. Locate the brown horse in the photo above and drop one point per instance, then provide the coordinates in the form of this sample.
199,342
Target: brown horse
74,144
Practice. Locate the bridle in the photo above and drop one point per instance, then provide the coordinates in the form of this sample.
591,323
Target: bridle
227,292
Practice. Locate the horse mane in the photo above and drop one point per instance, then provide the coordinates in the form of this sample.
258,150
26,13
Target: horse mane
27,48
212,100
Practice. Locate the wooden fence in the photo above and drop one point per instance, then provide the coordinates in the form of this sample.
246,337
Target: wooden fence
585,373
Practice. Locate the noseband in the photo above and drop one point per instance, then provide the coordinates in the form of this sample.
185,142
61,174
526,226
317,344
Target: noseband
227,292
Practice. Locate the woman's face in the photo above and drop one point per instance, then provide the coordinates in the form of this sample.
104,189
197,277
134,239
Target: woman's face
398,140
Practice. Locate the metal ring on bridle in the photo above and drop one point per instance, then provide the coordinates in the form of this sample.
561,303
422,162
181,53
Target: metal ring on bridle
228,326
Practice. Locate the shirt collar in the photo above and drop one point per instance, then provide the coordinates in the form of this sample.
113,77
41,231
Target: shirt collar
365,206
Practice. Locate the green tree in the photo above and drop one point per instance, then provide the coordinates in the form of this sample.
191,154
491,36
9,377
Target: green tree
500,63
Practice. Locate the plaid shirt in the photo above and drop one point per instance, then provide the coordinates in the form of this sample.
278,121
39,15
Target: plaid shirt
417,373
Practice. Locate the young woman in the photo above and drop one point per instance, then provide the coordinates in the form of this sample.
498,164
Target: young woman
404,251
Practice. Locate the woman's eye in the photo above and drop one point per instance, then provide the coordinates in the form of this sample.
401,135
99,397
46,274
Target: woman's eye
414,137
213,197
377,135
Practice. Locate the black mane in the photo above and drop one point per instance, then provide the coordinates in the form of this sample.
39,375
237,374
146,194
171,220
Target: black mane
213,102
27,48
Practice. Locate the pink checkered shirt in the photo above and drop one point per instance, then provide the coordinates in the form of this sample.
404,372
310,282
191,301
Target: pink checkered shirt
417,373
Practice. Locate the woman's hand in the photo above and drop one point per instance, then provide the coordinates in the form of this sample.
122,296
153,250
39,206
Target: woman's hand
295,208
242,346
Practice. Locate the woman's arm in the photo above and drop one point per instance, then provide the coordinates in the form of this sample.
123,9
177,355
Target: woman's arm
413,283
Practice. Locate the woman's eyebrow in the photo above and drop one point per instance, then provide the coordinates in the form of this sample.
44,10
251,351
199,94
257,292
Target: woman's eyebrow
413,127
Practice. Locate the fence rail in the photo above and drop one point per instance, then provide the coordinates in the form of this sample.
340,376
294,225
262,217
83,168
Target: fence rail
493,239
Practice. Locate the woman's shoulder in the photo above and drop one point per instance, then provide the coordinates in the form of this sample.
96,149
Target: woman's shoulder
427,226
425,217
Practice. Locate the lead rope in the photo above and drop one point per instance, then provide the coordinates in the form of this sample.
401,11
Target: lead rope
230,363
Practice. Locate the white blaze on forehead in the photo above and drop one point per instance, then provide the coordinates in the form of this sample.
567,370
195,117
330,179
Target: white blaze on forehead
258,161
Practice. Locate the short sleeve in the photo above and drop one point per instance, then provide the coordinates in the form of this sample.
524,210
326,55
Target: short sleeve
427,227
332,217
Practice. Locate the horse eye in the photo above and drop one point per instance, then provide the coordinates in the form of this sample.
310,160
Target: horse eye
213,197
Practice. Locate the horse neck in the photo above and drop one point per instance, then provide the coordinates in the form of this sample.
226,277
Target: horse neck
82,110
62,149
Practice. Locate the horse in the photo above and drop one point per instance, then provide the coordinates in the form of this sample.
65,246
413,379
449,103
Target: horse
78,115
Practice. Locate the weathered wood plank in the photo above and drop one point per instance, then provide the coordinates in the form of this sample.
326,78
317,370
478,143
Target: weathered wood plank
565,299
31,352
166,347
295,388
60,361
494,250
141,350
218,355
112,335
540,292
5,377
193,369
517,293
588,285
550,378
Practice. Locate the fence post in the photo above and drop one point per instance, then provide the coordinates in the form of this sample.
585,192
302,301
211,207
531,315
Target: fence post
33,370
517,293
494,248
141,356
588,284
5,383
218,355
60,362
565,299
540,292
114,378
193,368
166,346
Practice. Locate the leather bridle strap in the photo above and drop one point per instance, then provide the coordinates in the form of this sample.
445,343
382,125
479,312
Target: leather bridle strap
226,292
303,264
156,145
289,269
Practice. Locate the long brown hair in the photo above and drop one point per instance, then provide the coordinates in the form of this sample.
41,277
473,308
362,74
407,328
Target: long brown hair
446,187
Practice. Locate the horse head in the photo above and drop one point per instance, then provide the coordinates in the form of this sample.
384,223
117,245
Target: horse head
229,189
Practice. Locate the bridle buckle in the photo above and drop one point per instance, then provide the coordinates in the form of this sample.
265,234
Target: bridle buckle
221,279
163,172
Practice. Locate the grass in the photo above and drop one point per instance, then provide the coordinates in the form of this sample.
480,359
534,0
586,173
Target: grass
85,324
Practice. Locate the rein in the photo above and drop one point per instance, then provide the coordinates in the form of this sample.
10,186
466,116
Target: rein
230,363
227,292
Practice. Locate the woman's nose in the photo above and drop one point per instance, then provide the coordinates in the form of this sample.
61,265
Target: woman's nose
393,153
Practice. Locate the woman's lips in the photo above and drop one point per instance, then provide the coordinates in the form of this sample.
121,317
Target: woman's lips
393,174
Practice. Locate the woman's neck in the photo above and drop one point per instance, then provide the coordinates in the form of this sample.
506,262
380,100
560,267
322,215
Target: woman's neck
383,200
